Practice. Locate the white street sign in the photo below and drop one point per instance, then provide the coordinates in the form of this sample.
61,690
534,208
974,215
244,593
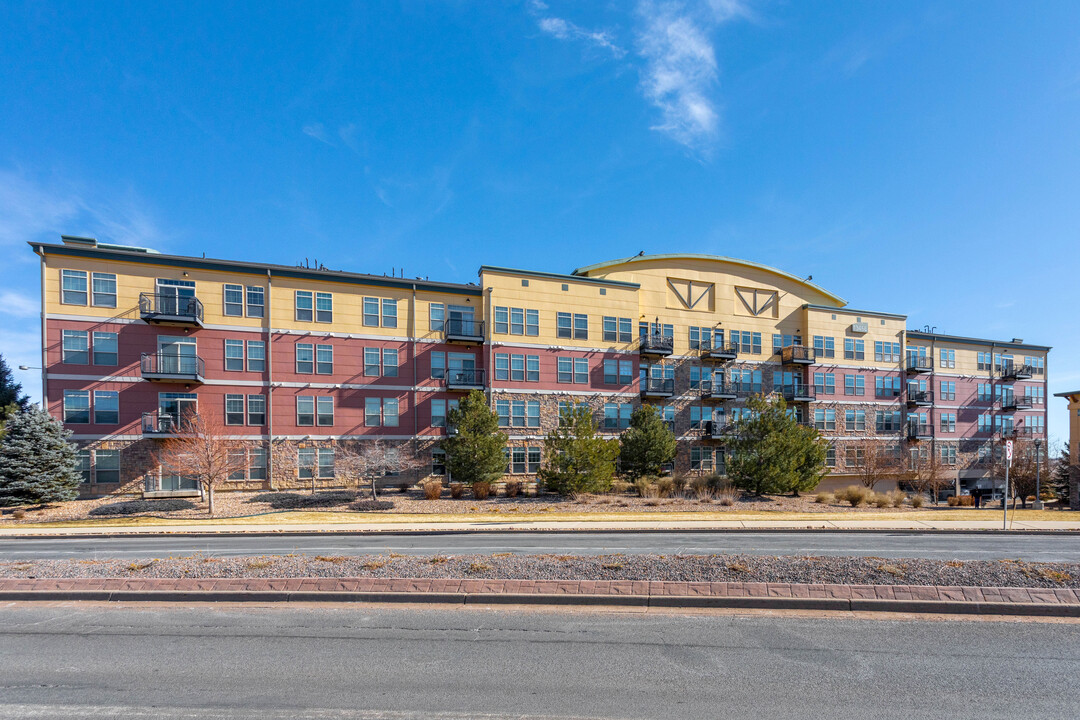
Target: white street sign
1008,450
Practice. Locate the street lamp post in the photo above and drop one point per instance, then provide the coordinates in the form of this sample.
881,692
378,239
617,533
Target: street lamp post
1038,505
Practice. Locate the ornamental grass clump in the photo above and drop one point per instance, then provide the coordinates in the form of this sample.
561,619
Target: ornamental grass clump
824,498
432,489
856,495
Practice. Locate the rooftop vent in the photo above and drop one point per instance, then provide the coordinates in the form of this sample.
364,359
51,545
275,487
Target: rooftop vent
1018,340
76,240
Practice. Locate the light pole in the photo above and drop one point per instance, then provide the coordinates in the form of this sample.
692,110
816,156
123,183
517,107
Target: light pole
33,367
1037,505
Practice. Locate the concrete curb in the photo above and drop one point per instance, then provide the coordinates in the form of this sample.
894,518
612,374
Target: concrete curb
561,600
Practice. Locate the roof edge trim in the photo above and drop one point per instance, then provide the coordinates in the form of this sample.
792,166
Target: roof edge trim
558,276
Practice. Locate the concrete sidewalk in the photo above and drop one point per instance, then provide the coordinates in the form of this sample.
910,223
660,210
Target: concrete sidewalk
208,527
1043,602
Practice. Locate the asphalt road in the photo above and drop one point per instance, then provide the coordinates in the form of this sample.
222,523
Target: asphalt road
74,661
1046,548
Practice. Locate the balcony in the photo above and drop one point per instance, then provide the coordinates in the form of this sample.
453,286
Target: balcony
797,355
717,390
920,365
1017,402
463,330
171,310
465,379
159,423
658,387
920,398
798,392
716,430
720,352
653,344
1015,371
172,368
1029,431
918,431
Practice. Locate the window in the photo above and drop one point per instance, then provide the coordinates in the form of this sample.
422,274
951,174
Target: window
617,415
985,392
569,407
75,347
502,366
234,409
565,370
581,370
824,346
256,305
887,421
438,461
326,462
701,338
372,359
73,287
610,329
830,456
436,317
572,325
779,342
389,313
825,419
307,462
517,368
390,362
439,411
390,412
618,372
983,361
532,322
82,461
234,300
324,359
517,321
234,355
304,306
853,349
257,463
305,410
746,341
746,380
77,406
371,312
256,410
824,383
887,387
947,390
518,413
372,412
106,466
305,358
853,456
985,423
106,407
701,458
256,355
854,385
438,365
105,348
885,351
324,307
104,290
502,320
948,422
947,359
948,454
854,420
1037,395
325,410
1037,364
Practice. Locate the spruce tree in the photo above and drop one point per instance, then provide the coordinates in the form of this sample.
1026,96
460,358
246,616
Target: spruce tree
1059,476
577,459
770,452
476,451
647,445
37,463
12,398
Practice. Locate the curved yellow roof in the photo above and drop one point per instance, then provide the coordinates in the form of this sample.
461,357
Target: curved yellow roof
712,258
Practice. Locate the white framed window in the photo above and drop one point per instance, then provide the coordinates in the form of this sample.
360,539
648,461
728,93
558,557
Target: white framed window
305,306
324,307
324,359
234,409
324,406
234,355
75,347
436,317
305,358
233,305
371,362
371,312
105,348
73,287
103,286
77,407
256,301
256,410
256,355
389,313
106,407
305,410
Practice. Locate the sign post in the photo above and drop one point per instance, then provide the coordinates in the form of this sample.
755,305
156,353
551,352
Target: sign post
1005,494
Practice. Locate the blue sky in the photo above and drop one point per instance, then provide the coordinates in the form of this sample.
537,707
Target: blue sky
915,157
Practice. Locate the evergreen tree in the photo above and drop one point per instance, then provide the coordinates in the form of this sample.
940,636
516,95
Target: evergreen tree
1059,476
476,451
647,445
577,459
12,398
770,452
37,463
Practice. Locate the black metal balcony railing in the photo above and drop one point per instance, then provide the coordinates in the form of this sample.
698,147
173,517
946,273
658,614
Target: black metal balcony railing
163,366
1017,402
797,355
716,429
717,390
465,379
463,330
744,388
720,351
1016,371
920,364
798,392
658,386
918,431
159,423
654,344
1027,431
170,309
920,398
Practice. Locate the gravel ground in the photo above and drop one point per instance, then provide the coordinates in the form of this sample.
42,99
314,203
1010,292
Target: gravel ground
238,504
714,568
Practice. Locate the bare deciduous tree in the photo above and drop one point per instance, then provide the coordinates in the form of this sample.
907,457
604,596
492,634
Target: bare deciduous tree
201,450
369,460
927,473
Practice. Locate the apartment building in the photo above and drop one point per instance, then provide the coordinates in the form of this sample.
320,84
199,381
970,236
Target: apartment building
1073,399
296,360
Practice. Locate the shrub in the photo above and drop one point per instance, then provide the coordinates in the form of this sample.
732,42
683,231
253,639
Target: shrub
967,501
679,483
881,500
645,487
727,496
403,487
717,482
916,501
726,501
621,487
513,488
481,489
665,486
457,490
18,514
825,498
952,501
371,505
896,498
432,489
134,507
293,501
856,495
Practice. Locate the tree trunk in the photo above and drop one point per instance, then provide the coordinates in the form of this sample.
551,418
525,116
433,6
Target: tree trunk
373,495
210,499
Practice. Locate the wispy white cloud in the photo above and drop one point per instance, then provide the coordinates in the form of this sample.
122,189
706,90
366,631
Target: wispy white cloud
318,131
565,30
680,73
